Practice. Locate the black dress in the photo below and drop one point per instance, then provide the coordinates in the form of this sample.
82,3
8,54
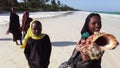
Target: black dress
14,26
79,63
76,60
38,52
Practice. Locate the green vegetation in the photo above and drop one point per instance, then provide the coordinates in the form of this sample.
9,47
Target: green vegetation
34,5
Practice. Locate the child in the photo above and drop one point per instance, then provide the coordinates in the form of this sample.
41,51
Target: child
37,46
25,22
92,24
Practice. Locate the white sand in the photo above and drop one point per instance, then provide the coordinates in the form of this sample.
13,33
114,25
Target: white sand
64,32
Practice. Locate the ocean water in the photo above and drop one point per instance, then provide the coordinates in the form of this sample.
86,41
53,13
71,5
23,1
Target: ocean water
114,13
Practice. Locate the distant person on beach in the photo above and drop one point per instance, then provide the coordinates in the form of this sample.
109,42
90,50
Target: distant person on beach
25,22
14,26
92,24
37,46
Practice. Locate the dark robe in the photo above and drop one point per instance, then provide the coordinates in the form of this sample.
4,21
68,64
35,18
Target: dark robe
26,23
14,26
76,60
79,63
38,52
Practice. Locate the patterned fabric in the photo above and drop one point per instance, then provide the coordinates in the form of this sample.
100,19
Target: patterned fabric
89,49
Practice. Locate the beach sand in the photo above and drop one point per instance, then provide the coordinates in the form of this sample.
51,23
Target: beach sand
64,32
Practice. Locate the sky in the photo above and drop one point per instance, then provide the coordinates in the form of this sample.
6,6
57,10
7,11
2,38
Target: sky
93,5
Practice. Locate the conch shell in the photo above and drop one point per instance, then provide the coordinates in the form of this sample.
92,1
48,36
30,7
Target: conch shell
96,44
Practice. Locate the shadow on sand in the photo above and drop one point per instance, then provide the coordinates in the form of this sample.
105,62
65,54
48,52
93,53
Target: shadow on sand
63,43
5,39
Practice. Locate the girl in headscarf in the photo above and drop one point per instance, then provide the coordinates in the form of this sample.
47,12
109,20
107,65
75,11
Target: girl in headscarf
25,22
92,24
37,46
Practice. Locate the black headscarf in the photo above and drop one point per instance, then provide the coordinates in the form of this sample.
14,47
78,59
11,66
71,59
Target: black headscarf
85,27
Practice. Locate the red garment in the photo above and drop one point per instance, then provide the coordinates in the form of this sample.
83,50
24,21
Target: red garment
25,22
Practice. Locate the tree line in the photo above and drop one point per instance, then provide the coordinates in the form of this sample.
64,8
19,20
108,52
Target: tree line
34,5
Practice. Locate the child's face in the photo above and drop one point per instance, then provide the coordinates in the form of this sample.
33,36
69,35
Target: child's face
94,24
36,29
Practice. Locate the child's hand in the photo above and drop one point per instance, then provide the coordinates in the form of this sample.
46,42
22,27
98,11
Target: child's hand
22,46
80,46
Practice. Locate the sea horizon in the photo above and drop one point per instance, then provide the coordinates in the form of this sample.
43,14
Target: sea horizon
108,12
